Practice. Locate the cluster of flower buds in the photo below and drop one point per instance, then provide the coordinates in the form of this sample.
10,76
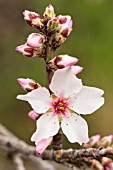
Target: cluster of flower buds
59,26
34,46
98,142
63,61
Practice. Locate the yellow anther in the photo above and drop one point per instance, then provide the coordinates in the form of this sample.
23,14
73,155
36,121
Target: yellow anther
67,124
61,104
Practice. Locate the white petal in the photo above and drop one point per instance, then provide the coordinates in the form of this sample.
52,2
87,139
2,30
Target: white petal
88,100
75,128
39,99
65,83
47,126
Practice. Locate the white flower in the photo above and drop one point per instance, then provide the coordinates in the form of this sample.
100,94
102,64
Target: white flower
69,96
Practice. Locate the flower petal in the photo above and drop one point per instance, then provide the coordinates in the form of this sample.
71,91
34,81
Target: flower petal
47,126
88,100
75,128
65,83
39,99
42,145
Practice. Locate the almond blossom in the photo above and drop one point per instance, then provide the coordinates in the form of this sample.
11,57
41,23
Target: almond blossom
69,98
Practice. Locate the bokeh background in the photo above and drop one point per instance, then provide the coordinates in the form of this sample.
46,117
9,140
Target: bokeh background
91,41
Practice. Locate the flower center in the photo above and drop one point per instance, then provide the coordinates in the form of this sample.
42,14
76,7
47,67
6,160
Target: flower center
59,106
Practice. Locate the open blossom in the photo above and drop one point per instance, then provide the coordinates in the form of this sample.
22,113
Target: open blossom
35,40
69,99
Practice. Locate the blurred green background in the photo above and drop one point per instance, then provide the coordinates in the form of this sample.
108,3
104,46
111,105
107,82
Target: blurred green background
91,41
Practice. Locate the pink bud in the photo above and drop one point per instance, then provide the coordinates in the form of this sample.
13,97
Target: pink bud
62,61
65,25
42,145
107,163
94,140
106,141
29,16
33,115
49,12
28,84
35,40
96,164
33,19
25,50
53,24
77,69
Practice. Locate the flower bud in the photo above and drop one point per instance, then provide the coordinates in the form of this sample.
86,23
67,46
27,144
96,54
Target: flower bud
42,145
49,12
106,141
77,69
35,40
62,61
107,163
93,141
53,24
96,164
28,84
26,50
33,115
65,25
33,19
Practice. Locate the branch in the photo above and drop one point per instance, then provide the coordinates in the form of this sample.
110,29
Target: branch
10,142
15,146
19,165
